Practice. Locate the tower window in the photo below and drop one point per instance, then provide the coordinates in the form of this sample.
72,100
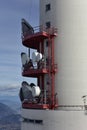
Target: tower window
34,121
48,24
46,43
48,7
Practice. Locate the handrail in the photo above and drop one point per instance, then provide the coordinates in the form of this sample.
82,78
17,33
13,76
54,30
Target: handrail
41,28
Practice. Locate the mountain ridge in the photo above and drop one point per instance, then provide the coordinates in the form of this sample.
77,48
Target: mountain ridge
9,118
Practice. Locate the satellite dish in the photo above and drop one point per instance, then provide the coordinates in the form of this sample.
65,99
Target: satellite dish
24,58
34,57
32,84
39,56
36,91
29,92
25,91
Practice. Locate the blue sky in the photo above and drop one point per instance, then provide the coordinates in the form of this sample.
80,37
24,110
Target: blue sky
11,13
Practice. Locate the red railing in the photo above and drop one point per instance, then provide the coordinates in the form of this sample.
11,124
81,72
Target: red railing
41,28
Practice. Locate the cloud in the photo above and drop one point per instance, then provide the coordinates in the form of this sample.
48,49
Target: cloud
9,87
9,90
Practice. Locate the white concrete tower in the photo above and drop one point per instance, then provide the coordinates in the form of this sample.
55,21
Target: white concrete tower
70,18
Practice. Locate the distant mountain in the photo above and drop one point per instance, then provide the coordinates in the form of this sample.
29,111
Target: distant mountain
5,110
12,101
14,105
9,119
12,119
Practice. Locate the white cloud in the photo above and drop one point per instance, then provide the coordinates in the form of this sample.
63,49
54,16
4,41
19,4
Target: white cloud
9,87
9,90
